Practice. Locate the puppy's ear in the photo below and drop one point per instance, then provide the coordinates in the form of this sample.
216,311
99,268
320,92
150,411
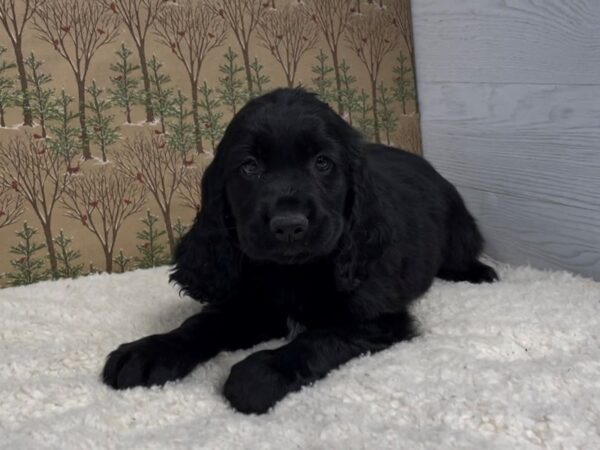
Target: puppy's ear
366,233
207,259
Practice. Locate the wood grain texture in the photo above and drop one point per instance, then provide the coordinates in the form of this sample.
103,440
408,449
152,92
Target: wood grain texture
539,235
542,142
522,144
510,41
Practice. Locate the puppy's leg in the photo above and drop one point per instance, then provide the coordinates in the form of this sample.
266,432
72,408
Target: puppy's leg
263,378
159,358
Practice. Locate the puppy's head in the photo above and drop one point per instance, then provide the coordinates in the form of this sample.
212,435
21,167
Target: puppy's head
286,167
288,185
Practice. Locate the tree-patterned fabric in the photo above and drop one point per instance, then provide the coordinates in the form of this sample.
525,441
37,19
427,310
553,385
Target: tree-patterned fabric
111,109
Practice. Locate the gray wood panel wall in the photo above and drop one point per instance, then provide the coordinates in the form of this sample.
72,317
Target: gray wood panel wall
510,102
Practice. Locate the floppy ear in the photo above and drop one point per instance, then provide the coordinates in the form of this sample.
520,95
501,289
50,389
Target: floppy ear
207,259
366,231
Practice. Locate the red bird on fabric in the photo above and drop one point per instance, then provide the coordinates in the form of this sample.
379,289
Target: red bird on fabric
73,170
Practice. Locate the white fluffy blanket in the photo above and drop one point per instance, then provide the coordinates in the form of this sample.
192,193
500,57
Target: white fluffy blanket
509,365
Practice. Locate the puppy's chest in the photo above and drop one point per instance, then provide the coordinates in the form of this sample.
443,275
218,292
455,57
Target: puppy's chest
309,309
307,297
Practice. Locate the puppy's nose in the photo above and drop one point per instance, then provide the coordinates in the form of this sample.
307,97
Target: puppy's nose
289,227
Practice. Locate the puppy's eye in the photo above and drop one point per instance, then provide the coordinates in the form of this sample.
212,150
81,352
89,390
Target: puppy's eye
250,167
323,163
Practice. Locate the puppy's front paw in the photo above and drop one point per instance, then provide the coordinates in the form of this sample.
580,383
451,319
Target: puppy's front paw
254,385
149,361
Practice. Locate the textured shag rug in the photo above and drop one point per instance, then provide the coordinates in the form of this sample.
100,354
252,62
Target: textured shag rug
514,364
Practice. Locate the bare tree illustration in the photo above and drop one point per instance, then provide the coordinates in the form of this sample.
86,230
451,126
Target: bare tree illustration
159,167
402,20
288,33
11,204
332,17
139,16
39,176
243,17
14,16
77,29
190,193
372,36
191,31
102,200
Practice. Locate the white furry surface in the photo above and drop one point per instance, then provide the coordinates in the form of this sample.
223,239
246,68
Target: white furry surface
514,364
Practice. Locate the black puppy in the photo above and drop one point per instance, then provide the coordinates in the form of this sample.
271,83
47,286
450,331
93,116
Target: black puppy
302,222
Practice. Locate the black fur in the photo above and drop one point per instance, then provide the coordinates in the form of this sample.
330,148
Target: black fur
382,223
